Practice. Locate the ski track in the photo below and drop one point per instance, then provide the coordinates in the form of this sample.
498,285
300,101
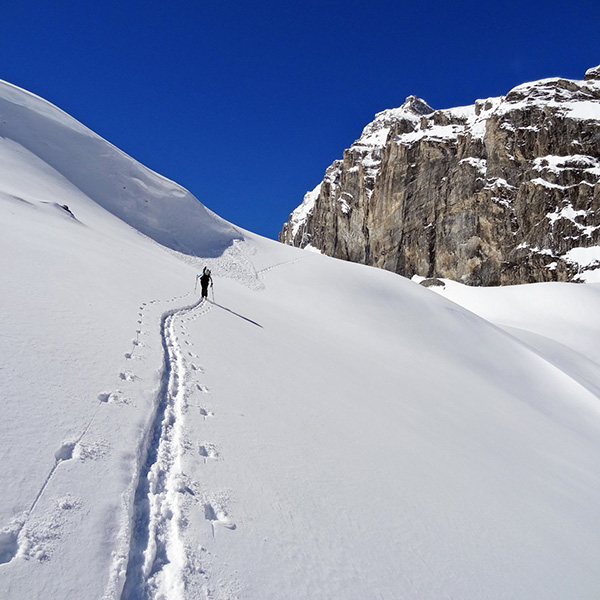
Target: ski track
277,265
157,556
14,537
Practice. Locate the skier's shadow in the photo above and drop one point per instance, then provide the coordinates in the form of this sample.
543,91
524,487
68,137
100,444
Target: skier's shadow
238,315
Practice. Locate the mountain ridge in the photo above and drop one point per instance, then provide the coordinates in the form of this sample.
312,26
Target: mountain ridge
504,191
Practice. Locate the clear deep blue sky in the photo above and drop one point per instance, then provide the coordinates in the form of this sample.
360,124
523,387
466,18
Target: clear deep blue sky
247,103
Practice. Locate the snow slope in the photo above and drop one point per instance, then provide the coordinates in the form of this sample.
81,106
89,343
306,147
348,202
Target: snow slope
319,429
145,200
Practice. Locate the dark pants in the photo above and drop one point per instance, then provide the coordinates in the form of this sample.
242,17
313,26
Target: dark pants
205,291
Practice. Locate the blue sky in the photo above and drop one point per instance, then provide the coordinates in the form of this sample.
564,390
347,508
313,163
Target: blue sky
247,103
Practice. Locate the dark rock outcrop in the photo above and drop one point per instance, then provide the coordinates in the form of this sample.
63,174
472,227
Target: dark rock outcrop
501,192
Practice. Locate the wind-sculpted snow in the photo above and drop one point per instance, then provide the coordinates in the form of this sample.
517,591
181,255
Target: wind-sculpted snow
152,204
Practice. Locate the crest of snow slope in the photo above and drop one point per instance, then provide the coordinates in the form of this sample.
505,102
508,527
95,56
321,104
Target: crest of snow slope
150,203
337,431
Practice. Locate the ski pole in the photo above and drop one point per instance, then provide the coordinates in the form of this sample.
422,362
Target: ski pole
212,289
196,285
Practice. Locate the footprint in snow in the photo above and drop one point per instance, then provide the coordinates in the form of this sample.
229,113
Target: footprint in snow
202,388
92,450
206,413
208,451
65,452
9,544
113,398
39,537
126,376
218,517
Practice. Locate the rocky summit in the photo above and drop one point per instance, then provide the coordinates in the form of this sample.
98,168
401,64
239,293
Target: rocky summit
505,191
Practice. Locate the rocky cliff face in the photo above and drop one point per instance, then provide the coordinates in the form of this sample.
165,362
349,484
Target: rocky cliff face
501,192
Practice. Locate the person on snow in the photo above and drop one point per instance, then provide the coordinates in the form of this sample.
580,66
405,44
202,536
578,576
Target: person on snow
205,280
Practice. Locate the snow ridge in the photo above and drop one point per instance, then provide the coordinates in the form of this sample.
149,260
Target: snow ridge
155,206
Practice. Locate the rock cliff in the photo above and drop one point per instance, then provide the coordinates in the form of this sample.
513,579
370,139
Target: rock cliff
504,191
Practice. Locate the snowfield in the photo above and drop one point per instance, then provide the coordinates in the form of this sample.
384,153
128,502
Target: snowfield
316,430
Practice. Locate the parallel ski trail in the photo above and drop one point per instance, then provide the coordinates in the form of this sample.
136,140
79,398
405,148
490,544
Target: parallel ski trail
156,555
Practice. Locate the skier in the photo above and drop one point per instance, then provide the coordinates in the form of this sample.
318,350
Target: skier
205,279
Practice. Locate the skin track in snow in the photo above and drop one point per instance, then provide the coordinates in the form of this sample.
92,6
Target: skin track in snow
156,555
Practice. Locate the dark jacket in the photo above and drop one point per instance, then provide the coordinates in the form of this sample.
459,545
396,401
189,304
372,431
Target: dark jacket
205,280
